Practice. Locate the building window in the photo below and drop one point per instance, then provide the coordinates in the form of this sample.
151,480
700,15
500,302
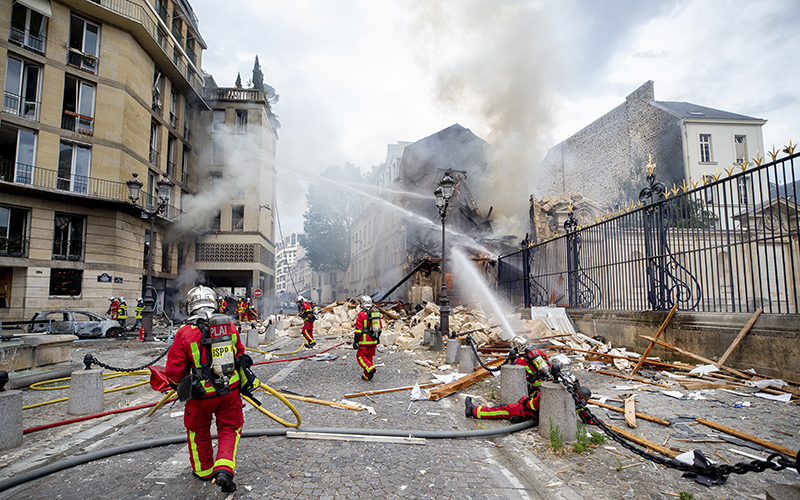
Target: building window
241,121
185,167
150,192
215,223
74,162
13,232
705,148
66,282
78,110
157,90
740,144
237,217
173,108
68,237
217,153
28,28
21,96
154,133
215,180
171,155
219,120
166,260
744,197
17,154
84,42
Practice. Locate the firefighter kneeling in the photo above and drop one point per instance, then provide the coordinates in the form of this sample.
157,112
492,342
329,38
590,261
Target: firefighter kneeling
207,365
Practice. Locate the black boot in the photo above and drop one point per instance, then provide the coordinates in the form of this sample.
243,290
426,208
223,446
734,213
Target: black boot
469,408
224,480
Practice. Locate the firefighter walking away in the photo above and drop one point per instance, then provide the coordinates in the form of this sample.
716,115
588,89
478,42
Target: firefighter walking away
368,333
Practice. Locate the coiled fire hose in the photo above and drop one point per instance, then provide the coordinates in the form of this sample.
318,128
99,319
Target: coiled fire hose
471,342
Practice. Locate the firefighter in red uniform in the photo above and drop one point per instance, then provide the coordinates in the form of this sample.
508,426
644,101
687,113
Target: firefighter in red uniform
537,369
113,308
204,364
368,332
305,311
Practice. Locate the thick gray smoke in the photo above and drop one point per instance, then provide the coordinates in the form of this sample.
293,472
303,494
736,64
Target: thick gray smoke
496,62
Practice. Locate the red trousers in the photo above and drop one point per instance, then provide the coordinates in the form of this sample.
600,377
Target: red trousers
364,355
525,407
308,332
197,419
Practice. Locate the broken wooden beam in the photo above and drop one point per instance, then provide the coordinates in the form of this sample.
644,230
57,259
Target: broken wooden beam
658,334
394,389
630,411
748,437
695,356
649,362
334,404
628,377
642,441
643,416
738,338
467,380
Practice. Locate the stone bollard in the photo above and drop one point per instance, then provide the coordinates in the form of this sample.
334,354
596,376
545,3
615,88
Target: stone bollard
252,339
513,384
11,410
451,354
270,335
86,392
427,336
279,324
556,403
436,341
466,360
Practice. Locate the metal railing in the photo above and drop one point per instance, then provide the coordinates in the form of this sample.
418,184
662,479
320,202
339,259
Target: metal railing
76,122
78,59
729,245
154,156
234,94
17,105
26,39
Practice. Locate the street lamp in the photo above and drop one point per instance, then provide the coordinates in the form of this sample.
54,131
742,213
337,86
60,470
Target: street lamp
443,194
134,190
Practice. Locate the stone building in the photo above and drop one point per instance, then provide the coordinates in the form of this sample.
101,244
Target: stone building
96,91
605,161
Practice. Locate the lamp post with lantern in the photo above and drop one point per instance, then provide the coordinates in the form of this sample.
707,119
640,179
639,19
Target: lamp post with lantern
134,191
443,194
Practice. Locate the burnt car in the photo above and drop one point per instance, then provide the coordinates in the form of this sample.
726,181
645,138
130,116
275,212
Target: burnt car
84,324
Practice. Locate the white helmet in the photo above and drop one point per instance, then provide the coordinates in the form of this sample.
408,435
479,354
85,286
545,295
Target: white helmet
365,301
519,344
111,299
139,299
201,297
300,299
122,299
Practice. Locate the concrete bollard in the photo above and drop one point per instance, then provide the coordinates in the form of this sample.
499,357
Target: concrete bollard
252,339
86,392
556,405
270,335
436,341
451,354
513,384
279,325
427,336
466,360
11,410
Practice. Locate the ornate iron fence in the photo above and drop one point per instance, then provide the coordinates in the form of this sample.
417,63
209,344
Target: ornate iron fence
728,243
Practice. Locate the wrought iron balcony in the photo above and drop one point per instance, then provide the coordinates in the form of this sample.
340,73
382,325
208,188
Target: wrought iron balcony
26,39
85,62
234,94
154,156
14,246
17,105
75,122
178,36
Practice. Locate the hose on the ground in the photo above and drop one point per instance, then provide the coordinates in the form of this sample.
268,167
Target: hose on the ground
37,387
181,439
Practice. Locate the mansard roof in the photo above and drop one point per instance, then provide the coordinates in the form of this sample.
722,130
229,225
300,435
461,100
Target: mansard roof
687,110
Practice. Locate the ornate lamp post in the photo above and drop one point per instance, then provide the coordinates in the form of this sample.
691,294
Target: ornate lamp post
443,194
134,190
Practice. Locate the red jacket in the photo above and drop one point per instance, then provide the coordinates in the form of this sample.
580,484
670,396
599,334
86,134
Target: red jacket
187,351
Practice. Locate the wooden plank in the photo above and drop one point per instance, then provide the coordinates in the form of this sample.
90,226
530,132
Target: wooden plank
649,362
630,411
466,380
695,356
628,377
694,385
343,406
738,338
643,416
354,437
642,441
395,389
658,334
748,437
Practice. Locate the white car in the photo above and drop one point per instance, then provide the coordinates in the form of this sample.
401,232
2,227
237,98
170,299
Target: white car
84,324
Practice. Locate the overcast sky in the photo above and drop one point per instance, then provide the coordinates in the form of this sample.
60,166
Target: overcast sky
356,75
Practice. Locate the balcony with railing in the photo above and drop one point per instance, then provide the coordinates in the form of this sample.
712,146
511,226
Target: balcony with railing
76,122
31,176
85,62
173,119
178,36
14,246
170,168
233,94
24,38
191,54
154,156
162,11
17,105
184,177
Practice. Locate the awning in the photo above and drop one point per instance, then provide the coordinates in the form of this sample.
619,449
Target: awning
40,6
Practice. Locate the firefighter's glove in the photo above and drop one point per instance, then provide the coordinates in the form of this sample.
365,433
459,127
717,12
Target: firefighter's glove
245,360
512,356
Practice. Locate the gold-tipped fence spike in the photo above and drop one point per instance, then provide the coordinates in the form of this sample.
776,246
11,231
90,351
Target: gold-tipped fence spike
774,153
790,148
694,182
640,204
570,206
716,174
650,165
729,170
758,160
743,165
684,186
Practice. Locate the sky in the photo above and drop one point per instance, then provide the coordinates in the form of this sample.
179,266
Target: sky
356,75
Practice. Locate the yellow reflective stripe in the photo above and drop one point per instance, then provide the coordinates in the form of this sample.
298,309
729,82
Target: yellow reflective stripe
358,330
195,354
196,457
364,365
230,463
494,413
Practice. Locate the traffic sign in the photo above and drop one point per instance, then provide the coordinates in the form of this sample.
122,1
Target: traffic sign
257,293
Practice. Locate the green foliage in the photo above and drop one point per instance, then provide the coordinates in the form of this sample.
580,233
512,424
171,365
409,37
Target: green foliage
128,393
238,83
581,443
492,395
556,438
597,438
688,213
619,467
685,496
258,76
257,82
332,210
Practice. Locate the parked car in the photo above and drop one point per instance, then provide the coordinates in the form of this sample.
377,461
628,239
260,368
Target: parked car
84,324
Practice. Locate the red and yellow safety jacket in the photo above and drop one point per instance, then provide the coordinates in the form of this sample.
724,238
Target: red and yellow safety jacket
362,327
187,352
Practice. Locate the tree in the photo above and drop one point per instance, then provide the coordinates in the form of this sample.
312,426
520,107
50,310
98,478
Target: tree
258,76
333,208
238,83
257,82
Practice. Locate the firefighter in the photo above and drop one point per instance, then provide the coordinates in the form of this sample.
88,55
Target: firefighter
537,369
204,365
252,311
305,311
122,312
137,311
241,307
368,332
223,305
113,308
